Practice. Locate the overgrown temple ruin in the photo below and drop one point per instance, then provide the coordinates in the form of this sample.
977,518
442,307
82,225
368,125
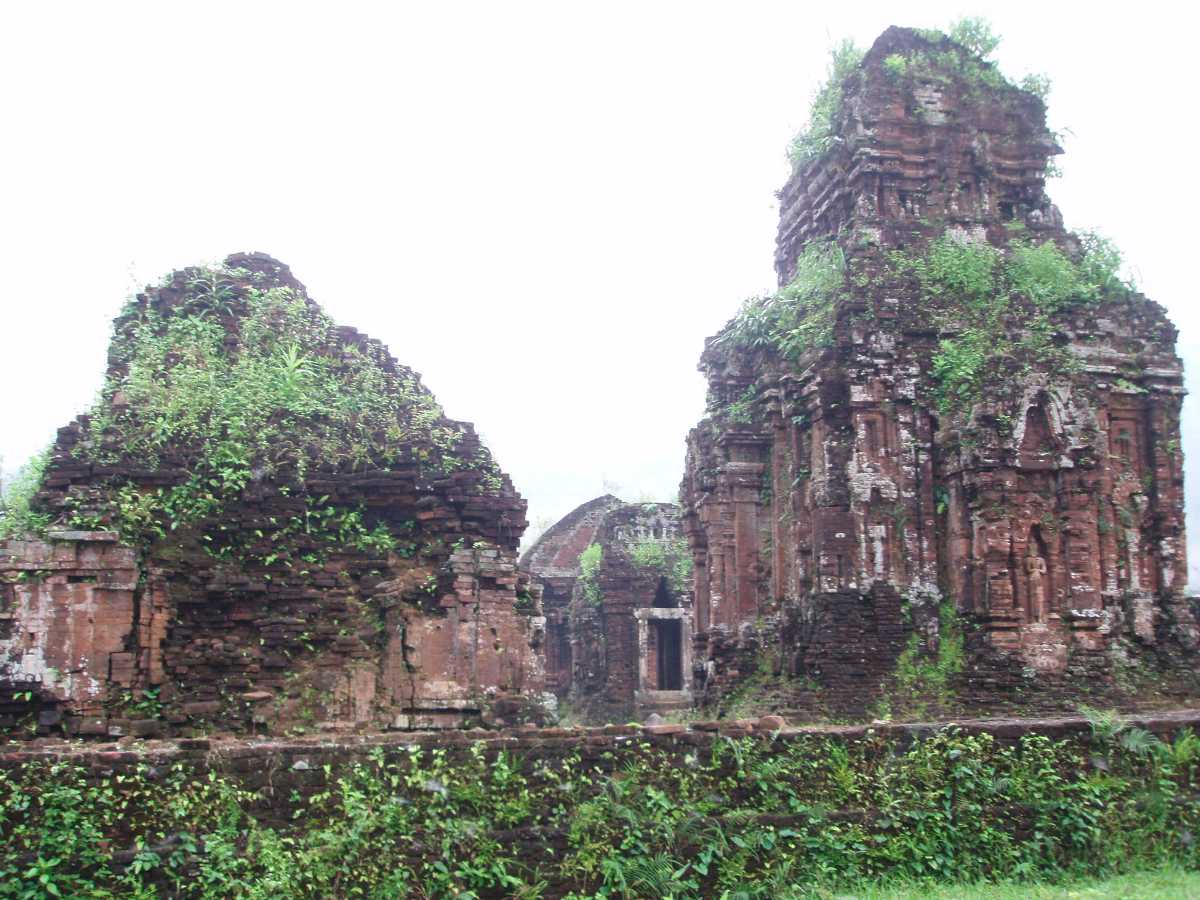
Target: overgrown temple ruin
617,592
264,632
954,422
941,463
265,523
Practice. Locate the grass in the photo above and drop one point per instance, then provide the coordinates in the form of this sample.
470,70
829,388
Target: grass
1161,884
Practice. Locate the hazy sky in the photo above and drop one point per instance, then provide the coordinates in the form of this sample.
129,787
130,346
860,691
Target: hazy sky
542,207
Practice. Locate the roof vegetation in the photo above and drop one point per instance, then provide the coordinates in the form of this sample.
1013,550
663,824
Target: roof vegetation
965,56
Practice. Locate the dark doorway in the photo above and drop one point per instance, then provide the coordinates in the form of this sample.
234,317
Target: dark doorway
669,634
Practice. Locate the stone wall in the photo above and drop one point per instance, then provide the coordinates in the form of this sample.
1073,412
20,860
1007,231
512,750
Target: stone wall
283,773
841,488
365,578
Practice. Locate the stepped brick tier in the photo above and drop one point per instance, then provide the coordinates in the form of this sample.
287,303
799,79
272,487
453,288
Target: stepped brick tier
266,523
615,582
953,409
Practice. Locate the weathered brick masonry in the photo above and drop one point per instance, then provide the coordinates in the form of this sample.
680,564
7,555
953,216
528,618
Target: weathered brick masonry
621,643
380,591
834,494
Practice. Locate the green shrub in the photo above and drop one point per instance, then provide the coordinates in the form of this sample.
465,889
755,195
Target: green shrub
589,574
18,512
1045,275
1102,264
817,135
796,318
975,34
668,559
960,267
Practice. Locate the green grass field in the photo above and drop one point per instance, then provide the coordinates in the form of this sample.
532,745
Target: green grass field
1165,884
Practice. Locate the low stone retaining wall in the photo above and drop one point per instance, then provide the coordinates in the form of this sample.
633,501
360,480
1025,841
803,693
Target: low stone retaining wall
689,811
282,772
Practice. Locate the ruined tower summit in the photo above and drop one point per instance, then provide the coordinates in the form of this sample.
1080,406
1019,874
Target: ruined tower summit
265,523
952,420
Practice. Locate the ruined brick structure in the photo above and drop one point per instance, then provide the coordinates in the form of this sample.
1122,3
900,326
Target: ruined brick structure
554,562
334,551
973,407
619,615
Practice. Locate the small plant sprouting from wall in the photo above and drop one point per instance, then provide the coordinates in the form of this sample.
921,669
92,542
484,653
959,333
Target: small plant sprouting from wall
669,559
796,318
741,411
589,574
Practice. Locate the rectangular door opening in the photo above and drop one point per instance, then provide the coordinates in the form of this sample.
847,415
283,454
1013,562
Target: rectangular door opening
669,638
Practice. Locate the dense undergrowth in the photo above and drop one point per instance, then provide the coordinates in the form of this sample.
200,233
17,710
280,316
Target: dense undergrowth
743,818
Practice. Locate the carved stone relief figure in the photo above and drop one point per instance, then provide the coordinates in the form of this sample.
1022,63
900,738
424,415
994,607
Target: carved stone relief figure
1035,575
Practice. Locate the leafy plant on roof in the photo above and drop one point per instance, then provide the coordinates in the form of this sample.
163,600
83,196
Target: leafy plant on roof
817,135
975,34
670,559
798,317
589,574
18,514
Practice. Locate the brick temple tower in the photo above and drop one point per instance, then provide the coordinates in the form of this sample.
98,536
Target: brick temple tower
952,407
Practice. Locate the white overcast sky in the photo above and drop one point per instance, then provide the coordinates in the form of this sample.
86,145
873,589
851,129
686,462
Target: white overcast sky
542,207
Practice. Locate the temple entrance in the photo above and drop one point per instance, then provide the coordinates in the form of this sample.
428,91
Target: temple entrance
664,648
668,634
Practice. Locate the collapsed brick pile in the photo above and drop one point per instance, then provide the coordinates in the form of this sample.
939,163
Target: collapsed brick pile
265,523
